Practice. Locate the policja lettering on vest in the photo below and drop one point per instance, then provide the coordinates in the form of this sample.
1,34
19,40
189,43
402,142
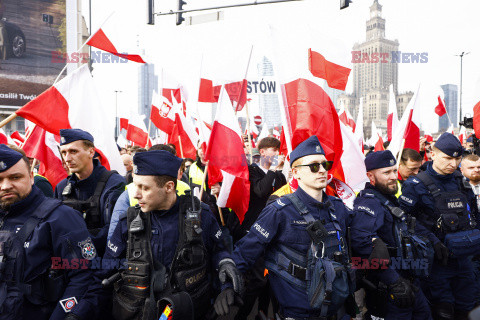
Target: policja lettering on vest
299,255
35,230
170,246
91,189
390,292
433,197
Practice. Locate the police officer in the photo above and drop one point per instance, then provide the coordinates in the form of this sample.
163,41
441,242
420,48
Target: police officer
44,247
435,198
379,224
91,189
281,234
170,245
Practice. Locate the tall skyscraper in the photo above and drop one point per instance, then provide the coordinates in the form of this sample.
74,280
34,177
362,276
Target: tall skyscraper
451,103
147,83
373,73
268,103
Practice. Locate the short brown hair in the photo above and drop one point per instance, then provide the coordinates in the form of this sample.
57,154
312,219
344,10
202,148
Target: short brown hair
471,157
88,144
410,154
269,142
161,180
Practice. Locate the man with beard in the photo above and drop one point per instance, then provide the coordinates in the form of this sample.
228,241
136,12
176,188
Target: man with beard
445,209
471,170
45,247
375,232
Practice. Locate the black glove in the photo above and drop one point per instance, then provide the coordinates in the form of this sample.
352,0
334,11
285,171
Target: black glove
441,252
72,316
224,300
227,268
401,293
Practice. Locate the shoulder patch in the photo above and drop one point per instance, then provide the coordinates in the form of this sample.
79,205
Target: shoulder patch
415,180
88,249
407,200
68,304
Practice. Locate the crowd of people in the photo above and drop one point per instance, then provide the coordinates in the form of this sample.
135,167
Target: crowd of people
153,244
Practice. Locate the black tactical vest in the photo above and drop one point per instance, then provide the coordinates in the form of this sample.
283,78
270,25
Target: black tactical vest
90,208
146,286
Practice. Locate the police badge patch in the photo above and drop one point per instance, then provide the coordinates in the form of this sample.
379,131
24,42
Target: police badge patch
62,140
68,304
3,166
135,169
88,249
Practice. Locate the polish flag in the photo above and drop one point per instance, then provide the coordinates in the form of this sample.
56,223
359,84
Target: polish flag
110,38
462,136
43,146
230,73
162,114
231,160
408,131
137,131
440,108
123,123
358,134
307,110
4,138
392,117
204,131
264,133
376,139
17,138
73,102
184,135
336,75
451,129
345,116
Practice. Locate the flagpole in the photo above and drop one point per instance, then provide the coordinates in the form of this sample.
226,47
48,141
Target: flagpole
220,212
180,143
249,132
83,45
243,82
399,156
8,119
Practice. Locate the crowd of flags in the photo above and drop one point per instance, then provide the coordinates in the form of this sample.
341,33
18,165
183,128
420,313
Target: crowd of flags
306,110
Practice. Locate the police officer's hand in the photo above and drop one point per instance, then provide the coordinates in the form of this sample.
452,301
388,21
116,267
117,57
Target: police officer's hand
224,300
401,293
72,316
441,252
227,268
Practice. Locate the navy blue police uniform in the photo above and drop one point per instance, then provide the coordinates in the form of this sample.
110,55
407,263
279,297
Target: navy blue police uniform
434,198
164,238
71,190
44,257
373,219
280,235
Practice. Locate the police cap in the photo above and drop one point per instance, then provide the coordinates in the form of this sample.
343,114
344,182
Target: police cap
308,147
8,157
156,163
449,144
71,135
379,159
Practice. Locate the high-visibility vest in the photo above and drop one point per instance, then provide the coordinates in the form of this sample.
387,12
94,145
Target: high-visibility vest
195,175
399,192
283,191
181,188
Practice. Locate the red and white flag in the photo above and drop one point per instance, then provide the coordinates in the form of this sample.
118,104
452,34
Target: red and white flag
392,117
376,140
137,131
440,108
4,138
184,135
110,38
18,138
345,116
225,152
162,114
462,136
408,131
335,74
73,102
123,123
43,146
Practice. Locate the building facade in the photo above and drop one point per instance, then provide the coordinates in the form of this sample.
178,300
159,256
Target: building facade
451,103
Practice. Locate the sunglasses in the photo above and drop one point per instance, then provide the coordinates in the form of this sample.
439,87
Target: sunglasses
315,167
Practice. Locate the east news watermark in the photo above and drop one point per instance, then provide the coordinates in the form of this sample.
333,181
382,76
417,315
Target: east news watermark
85,57
389,57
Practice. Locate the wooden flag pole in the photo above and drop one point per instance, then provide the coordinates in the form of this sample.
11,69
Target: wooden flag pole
399,156
249,133
180,143
8,119
220,212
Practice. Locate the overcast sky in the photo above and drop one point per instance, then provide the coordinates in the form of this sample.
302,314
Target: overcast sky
441,28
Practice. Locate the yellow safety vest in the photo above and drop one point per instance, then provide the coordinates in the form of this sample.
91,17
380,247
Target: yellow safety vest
181,188
283,191
195,175
399,192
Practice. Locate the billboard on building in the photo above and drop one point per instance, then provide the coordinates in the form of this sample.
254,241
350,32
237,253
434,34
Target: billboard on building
32,33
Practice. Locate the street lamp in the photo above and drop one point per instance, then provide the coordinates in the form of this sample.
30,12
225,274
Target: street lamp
117,127
461,78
